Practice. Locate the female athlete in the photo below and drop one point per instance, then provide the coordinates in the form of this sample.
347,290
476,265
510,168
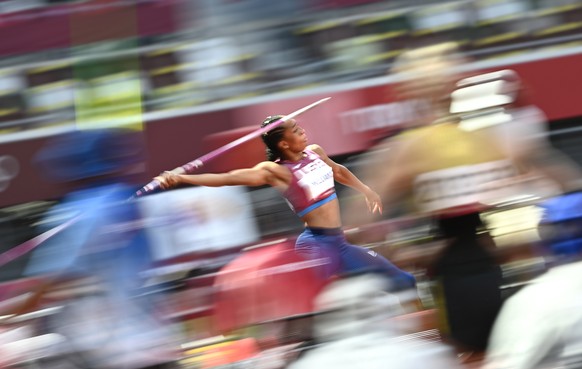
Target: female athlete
305,176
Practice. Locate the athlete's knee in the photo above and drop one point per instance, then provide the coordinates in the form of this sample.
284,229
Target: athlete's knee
404,281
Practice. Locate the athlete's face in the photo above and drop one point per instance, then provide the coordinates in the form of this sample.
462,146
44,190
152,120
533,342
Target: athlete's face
294,138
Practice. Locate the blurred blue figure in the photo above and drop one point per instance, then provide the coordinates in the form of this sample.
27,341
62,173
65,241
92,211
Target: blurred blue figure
105,324
561,224
93,163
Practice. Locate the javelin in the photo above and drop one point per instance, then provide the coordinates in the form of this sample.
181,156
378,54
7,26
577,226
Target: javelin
189,167
196,164
31,244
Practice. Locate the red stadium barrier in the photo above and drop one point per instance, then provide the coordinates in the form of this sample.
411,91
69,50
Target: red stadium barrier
349,123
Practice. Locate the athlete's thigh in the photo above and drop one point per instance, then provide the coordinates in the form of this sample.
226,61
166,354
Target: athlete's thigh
322,247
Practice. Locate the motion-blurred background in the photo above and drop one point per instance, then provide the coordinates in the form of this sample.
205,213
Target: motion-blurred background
193,75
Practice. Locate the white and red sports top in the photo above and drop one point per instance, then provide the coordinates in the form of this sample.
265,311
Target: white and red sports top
312,183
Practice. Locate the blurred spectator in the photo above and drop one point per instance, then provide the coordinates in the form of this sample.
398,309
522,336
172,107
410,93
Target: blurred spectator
540,326
352,329
94,265
428,74
441,170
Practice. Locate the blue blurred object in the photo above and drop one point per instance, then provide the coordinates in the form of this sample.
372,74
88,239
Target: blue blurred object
105,219
101,158
562,208
86,154
563,216
108,325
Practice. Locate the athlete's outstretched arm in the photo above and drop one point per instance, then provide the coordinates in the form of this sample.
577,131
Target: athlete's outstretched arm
344,176
265,173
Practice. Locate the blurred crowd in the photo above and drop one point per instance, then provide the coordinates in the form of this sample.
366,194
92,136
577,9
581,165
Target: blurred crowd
470,199
178,54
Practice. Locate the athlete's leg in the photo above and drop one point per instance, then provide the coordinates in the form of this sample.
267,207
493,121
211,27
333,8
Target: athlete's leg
356,258
313,245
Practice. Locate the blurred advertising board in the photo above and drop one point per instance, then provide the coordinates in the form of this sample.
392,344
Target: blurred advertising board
198,220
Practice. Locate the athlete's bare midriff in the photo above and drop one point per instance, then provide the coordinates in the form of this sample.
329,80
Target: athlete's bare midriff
325,216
